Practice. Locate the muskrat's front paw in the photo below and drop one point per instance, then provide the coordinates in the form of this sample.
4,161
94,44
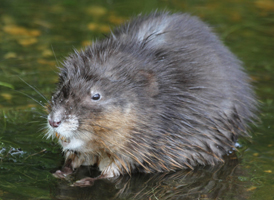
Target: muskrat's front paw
63,174
59,174
85,182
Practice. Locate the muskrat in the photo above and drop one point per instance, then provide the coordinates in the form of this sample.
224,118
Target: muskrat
160,93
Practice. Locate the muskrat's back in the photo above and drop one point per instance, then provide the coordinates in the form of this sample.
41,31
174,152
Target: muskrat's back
161,93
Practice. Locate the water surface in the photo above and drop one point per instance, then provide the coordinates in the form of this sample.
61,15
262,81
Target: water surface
35,36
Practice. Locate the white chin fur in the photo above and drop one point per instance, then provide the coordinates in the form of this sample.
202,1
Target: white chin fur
66,128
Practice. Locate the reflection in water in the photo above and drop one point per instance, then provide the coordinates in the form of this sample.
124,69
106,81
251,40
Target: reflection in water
219,182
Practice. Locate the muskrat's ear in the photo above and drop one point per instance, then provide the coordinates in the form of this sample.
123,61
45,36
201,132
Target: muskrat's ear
149,80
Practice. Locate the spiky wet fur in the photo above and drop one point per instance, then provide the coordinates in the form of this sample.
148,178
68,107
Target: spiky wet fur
172,97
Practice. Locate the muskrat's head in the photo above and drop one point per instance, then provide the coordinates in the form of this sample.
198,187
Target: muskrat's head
97,101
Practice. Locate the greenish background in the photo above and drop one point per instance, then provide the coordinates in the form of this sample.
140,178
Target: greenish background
35,36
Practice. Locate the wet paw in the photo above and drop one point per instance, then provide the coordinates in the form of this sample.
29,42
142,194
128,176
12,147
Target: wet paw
64,173
59,174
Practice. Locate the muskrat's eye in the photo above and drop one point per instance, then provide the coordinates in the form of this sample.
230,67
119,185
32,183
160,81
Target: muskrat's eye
96,97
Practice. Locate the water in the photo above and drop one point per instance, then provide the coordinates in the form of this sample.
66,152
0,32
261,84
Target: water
35,36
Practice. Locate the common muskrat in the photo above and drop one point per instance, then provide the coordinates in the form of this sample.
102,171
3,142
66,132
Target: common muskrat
160,93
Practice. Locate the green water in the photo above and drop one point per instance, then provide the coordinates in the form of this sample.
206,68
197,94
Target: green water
35,36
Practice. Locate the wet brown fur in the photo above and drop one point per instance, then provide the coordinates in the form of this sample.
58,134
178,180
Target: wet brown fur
172,96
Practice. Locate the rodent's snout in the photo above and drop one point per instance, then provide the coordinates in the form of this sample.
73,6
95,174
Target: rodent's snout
54,123
56,117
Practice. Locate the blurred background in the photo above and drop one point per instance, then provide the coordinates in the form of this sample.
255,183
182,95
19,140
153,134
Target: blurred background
35,36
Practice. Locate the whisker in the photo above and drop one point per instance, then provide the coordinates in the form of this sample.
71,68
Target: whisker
44,116
54,56
30,97
33,89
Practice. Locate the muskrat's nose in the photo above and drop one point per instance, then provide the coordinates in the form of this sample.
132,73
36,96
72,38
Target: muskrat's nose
54,124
